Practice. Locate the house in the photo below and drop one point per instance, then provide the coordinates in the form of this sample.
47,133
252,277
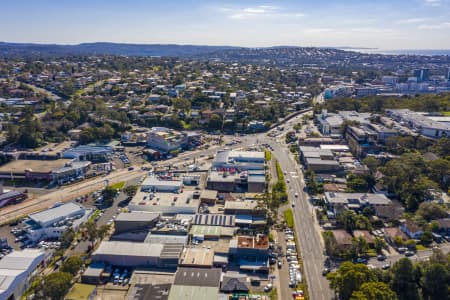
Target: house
234,285
365,235
411,229
337,202
343,239
393,233
444,226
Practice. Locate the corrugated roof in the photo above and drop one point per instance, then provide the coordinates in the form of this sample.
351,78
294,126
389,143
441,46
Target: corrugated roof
198,277
61,211
129,249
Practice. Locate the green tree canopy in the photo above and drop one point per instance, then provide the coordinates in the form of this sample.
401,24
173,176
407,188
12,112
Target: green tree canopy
349,278
404,281
374,291
72,265
56,285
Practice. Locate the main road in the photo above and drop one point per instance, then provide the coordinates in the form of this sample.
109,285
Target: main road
307,229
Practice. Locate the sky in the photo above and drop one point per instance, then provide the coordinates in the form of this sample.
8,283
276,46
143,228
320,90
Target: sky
382,24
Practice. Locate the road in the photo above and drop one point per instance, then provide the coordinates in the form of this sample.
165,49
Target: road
419,256
307,230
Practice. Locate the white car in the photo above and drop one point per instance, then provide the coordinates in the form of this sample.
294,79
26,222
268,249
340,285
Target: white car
296,195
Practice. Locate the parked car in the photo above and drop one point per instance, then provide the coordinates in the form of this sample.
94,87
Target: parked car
381,257
268,287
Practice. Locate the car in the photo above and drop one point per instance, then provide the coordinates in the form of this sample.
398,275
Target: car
287,180
279,264
268,287
293,204
325,271
296,195
381,257
409,253
361,260
385,266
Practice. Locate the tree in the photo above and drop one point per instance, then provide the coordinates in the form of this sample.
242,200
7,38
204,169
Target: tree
374,291
359,246
215,122
108,193
426,238
72,265
102,231
349,278
436,282
379,245
56,285
357,184
91,229
404,281
131,190
67,237
372,163
431,211
439,171
330,243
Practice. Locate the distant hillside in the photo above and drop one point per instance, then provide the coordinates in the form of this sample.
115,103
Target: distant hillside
45,50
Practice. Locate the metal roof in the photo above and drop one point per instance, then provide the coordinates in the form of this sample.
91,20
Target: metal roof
57,213
198,277
129,249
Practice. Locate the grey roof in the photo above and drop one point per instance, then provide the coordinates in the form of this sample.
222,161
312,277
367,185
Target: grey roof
166,239
153,181
234,284
362,198
198,277
316,161
171,251
138,216
150,292
47,216
129,249
214,219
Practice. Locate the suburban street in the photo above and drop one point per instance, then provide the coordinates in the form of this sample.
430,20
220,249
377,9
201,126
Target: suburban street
306,228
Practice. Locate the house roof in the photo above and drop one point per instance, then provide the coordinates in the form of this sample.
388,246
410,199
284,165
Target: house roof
234,284
342,237
444,223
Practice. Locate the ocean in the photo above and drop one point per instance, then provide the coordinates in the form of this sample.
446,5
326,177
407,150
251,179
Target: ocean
405,51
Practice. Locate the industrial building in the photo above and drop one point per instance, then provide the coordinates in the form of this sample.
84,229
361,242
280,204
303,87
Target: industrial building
154,184
51,223
134,221
131,254
17,270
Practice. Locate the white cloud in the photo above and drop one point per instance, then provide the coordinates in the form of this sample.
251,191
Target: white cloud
260,11
411,21
433,3
444,25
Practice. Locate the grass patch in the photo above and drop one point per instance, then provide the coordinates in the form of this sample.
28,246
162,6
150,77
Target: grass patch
446,113
420,247
289,217
267,155
118,185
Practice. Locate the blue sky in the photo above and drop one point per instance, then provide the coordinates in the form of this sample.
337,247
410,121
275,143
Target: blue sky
384,24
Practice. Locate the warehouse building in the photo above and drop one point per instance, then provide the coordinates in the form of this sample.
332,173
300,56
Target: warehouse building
51,223
135,221
17,270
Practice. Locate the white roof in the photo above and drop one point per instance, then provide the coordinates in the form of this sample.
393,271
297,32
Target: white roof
153,181
129,249
13,265
47,216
